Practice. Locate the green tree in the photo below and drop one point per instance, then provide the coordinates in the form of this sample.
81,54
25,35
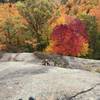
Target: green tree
37,13
94,35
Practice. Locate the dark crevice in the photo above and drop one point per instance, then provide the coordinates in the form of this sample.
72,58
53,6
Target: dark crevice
82,92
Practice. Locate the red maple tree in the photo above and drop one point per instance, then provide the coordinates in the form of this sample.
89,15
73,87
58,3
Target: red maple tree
69,39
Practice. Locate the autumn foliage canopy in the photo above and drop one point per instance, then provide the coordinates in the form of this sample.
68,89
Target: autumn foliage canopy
69,39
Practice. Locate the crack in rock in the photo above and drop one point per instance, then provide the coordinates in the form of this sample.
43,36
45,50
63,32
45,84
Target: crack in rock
82,92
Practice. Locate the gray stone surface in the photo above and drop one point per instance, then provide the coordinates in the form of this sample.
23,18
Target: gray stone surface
26,77
69,62
22,80
17,57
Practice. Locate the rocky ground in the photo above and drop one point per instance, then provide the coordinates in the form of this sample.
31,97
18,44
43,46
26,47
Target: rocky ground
22,76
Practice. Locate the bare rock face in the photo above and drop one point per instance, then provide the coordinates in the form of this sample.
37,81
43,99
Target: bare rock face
59,61
22,80
23,57
33,57
22,76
